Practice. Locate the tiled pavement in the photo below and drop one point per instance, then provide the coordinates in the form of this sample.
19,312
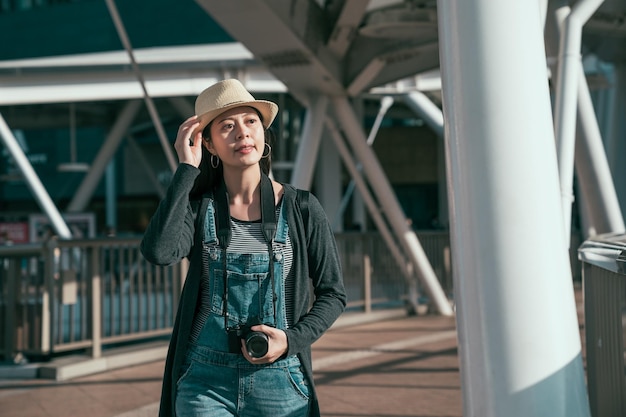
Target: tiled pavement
384,364
403,367
398,366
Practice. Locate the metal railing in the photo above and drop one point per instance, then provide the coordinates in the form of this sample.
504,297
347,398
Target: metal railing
371,275
604,292
66,295
86,295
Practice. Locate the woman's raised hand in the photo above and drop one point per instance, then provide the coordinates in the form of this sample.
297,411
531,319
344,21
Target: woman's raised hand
188,144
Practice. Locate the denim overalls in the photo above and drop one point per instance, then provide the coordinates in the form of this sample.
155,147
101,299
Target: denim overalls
217,383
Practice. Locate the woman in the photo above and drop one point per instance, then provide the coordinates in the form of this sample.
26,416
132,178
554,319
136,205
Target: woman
241,343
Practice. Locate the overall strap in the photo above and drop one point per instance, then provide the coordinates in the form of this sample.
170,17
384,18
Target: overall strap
200,220
268,212
268,227
302,198
224,234
223,216
268,209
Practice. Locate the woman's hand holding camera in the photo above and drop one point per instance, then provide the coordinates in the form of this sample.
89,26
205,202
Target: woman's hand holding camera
188,144
277,345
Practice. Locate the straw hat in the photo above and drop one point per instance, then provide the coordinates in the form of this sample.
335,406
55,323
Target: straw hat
227,94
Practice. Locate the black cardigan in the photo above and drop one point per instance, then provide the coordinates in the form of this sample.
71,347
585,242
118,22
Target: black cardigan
171,236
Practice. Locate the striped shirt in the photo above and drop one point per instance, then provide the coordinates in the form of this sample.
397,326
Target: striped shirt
247,237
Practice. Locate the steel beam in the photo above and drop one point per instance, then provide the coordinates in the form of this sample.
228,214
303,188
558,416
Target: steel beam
308,148
393,212
565,101
32,180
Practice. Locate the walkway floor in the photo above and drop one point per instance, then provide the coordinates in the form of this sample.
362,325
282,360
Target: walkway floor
384,364
403,366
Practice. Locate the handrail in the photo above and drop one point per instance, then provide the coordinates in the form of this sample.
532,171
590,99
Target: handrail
66,295
91,294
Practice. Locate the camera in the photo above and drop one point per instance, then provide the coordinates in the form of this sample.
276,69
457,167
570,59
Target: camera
257,343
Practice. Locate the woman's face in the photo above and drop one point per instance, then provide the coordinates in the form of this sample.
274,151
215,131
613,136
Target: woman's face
237,137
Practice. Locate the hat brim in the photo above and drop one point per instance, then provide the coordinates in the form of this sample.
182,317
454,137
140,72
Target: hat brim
267,109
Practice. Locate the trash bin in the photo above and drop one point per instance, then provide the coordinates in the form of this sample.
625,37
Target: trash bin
603,260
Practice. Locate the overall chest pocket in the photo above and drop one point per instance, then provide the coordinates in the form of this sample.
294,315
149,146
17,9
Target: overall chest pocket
249,297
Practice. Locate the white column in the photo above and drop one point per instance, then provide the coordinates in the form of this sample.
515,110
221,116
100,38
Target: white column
359,204
359,215
328,178
519,343
309,144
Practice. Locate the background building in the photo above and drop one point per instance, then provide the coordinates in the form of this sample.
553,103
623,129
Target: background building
69,42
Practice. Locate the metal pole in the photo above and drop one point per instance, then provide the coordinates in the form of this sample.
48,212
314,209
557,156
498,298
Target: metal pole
111,195
594,175
373,208
49,300
385,103
167,147
427,110
600,209
375,213
516,359
95,293
385,196
367,283
13,297
309,145
565,102
33,182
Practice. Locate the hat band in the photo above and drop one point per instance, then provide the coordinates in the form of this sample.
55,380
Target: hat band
235,102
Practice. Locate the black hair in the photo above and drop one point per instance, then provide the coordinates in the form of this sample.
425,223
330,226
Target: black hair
209,177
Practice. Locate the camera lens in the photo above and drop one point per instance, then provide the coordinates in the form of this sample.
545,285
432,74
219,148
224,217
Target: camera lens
257,344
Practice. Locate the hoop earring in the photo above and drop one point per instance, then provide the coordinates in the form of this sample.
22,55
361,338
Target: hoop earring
269,151
215,160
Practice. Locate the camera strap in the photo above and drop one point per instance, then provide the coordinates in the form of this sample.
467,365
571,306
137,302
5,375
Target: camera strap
224,234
